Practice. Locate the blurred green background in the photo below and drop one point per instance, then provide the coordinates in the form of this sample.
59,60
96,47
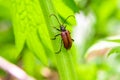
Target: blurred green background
26,29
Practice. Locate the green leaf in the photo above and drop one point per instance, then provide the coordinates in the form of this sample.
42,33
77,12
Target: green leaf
115,50
35,45
26,21
64,60
71,4
64,13
19,21
28,62
9,52
114,38
101,49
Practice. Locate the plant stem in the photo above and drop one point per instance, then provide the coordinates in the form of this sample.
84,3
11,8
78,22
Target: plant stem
64,60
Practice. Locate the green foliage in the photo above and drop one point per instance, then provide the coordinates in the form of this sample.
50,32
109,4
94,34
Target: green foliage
26,29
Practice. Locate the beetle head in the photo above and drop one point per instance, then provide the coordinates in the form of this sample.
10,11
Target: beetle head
62,28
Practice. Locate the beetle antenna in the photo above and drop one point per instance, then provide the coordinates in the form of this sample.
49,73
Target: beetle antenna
67,19
55,17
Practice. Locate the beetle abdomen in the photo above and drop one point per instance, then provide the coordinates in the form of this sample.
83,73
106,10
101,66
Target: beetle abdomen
66,38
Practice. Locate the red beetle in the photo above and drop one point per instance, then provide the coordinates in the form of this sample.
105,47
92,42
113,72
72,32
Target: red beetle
65,35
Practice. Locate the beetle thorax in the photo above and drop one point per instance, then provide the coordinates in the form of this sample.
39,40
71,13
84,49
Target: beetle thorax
62,28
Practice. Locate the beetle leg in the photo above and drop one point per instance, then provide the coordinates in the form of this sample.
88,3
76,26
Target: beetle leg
65,26
72,39
57,29
55,36
60,48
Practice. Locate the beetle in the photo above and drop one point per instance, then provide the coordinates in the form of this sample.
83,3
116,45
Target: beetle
65,34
